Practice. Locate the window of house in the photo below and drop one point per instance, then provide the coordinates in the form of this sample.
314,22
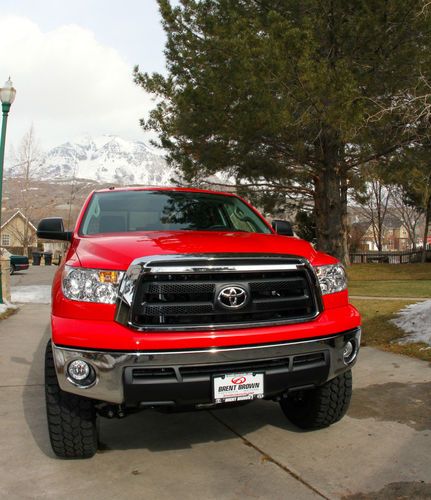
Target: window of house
5,240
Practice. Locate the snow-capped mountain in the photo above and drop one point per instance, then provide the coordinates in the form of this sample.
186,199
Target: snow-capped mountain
106,159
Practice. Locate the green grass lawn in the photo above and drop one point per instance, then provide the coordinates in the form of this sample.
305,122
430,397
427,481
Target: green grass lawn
390,280
398,272
377,331
391,288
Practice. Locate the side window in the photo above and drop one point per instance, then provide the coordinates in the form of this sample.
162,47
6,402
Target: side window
239,219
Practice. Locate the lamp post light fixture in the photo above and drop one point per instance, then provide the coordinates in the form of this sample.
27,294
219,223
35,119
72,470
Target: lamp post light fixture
7,96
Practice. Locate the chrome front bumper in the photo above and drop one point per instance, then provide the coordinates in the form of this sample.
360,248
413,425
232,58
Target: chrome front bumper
109,367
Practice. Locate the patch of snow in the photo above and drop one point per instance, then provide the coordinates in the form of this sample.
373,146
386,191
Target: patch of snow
6,306
34,294
415,320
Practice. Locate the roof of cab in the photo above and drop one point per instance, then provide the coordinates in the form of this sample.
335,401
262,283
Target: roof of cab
159,188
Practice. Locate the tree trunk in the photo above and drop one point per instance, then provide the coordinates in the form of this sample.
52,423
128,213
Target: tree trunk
425,236
379,230
25,239
331,212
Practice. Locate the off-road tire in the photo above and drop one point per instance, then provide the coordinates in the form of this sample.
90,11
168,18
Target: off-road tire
319,407
71,419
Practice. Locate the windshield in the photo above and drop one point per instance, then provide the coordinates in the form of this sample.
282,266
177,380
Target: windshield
126,211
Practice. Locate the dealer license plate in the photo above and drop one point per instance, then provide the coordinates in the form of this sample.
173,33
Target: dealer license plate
237,387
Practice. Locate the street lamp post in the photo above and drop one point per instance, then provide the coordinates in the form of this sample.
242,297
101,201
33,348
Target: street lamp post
7,96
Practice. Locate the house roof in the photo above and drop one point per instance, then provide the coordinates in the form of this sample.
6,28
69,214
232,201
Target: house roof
362,225
18,213
392,222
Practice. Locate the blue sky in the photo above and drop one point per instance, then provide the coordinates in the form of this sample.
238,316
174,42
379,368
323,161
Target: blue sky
71,62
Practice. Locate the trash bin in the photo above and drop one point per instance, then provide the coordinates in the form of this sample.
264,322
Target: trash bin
36,258
56,259
48,258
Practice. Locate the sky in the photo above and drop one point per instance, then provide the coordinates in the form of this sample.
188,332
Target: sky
71,63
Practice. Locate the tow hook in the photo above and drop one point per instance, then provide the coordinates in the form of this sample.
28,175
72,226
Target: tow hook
112,411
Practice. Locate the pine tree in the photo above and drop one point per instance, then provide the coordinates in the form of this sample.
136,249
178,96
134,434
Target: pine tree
288,92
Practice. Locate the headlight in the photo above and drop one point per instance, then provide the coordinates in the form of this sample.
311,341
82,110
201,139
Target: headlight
332,278
91,285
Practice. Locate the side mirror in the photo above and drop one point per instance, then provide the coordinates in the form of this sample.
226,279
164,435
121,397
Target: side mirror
52,228
282,227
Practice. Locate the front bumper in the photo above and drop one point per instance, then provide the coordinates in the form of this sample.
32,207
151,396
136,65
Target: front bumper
184,377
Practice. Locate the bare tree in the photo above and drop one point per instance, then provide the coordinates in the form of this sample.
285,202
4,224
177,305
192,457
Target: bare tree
374,203
407,213
78,191
26,162
356,233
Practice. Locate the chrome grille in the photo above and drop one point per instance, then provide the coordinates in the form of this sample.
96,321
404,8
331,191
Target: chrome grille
182,295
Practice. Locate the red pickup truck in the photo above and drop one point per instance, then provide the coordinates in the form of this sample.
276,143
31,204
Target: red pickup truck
177,298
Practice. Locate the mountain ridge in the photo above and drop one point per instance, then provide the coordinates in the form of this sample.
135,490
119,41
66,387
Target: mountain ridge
104,159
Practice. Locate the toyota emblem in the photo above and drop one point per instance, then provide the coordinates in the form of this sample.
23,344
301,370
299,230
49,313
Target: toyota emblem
232,297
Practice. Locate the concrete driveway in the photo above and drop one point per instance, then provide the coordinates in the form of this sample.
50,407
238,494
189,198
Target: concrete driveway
382,449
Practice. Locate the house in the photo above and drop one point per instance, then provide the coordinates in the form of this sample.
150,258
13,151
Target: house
395,236
18,234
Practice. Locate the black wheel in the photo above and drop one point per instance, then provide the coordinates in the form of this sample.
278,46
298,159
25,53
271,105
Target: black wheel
71,419
320,407
12,269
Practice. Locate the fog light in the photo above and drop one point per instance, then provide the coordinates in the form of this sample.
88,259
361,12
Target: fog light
348,349
78,370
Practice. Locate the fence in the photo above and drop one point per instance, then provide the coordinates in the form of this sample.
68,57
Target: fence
388,257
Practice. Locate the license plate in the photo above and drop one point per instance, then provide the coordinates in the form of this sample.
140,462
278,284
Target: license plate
237,387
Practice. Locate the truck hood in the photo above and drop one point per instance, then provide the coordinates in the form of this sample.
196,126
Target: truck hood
117,251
